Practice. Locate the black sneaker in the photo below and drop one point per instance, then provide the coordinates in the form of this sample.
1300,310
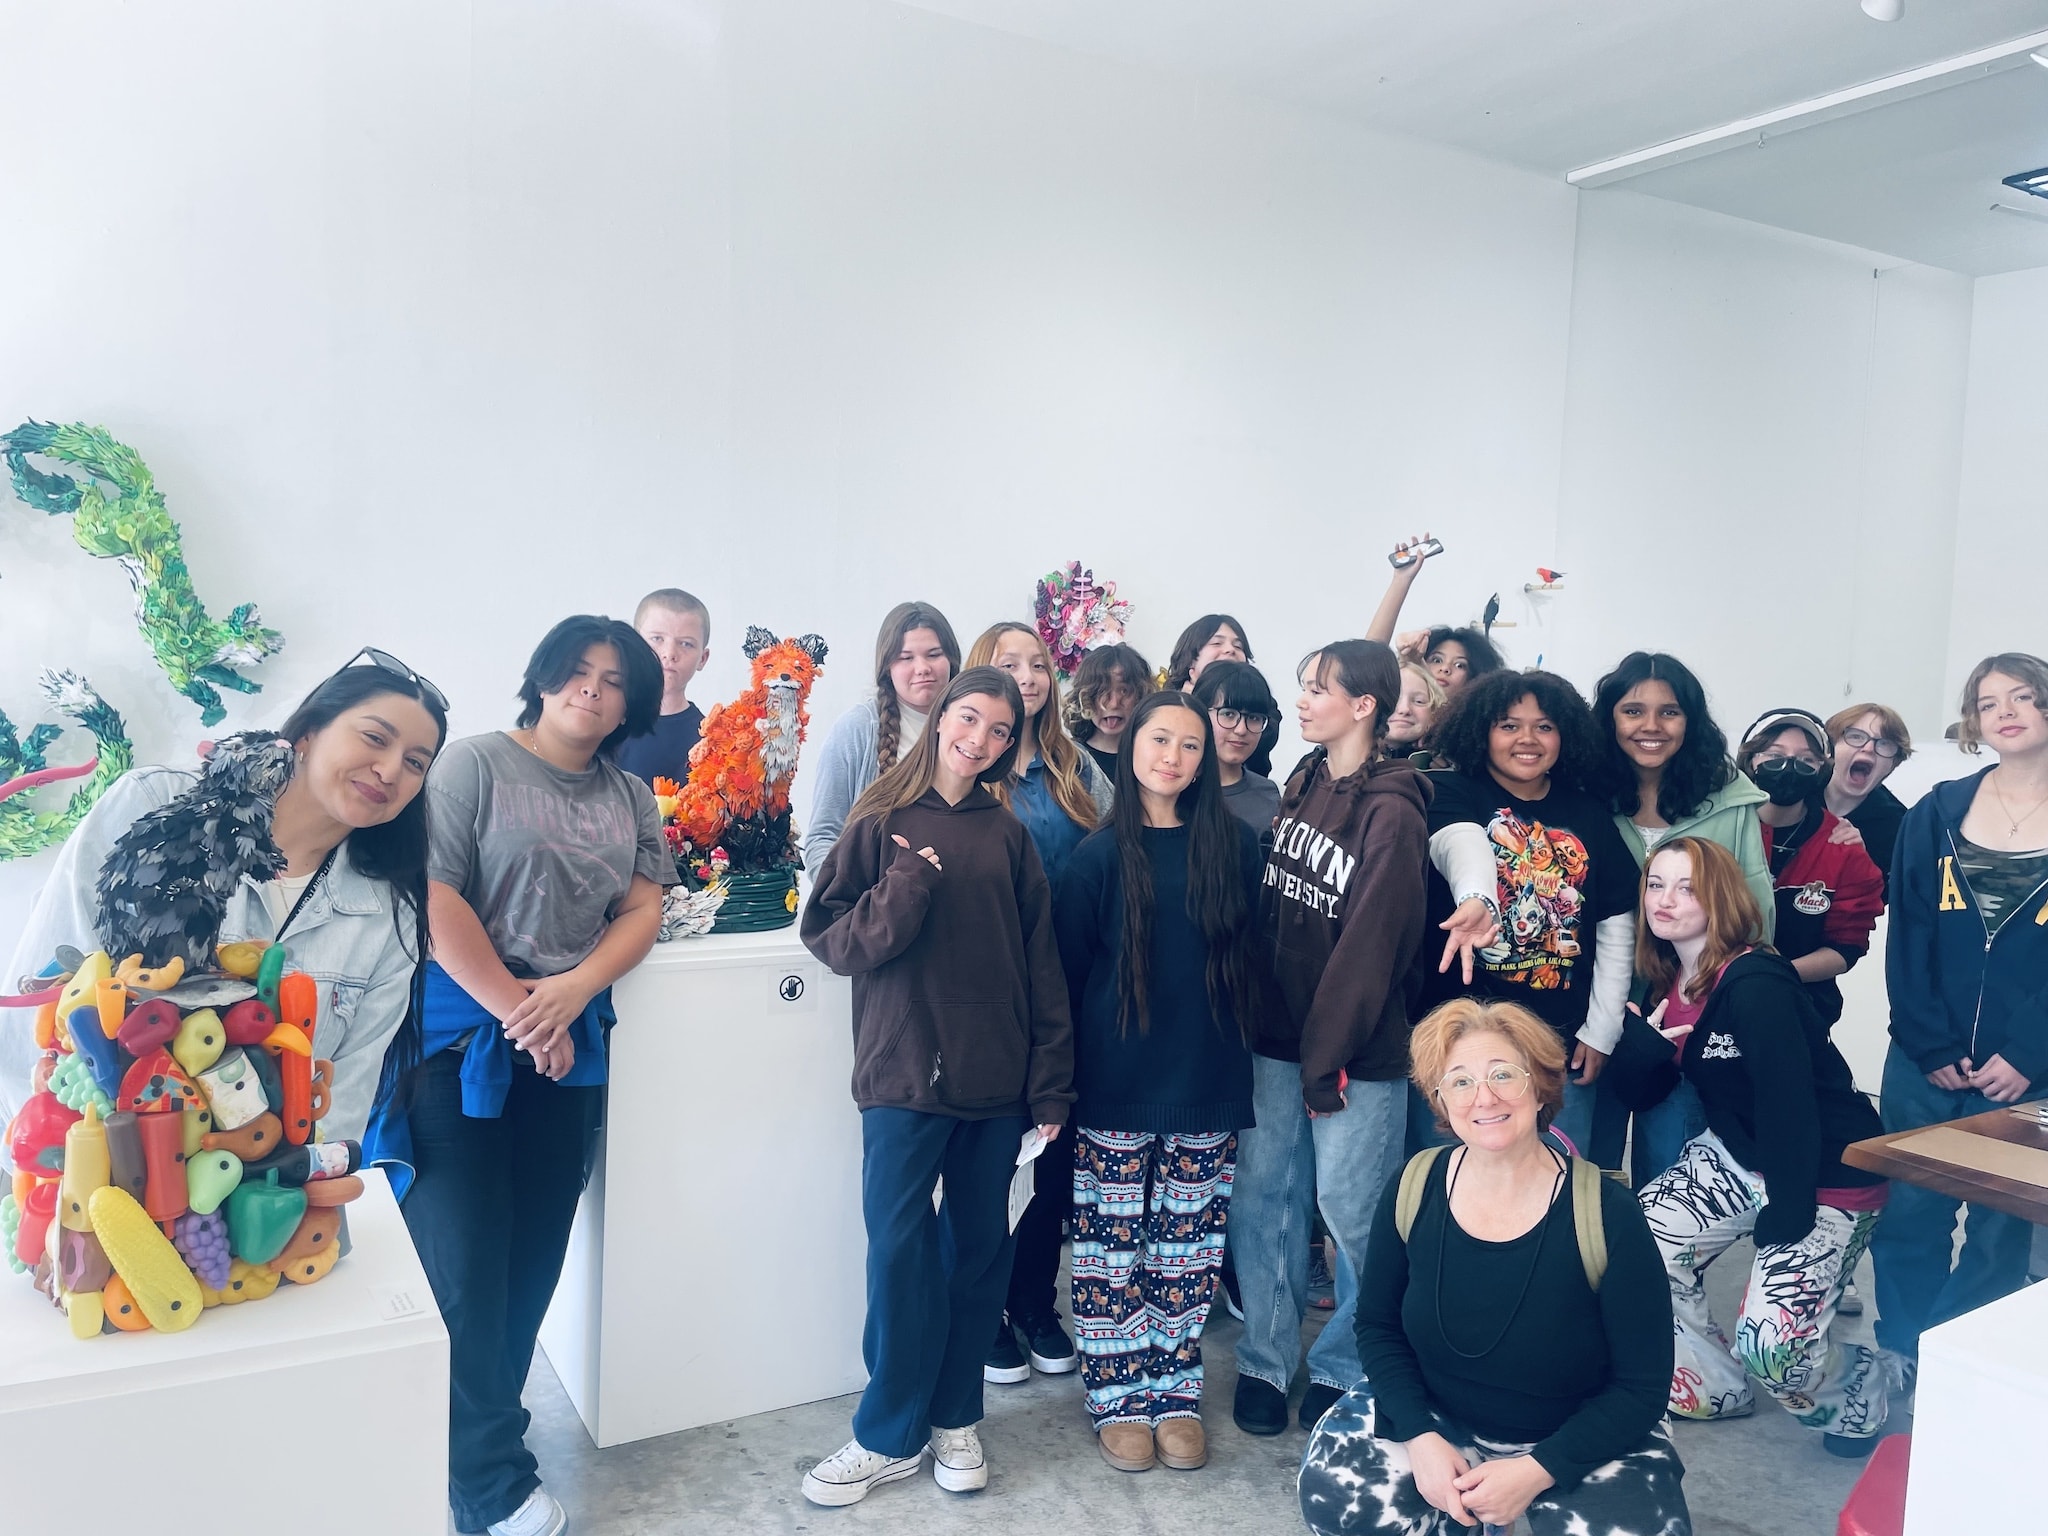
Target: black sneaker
1051,1351
1260,1408
1318,1400
1849,1447
1232,1302
1006,1363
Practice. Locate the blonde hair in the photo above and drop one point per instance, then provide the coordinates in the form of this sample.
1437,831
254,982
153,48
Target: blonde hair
1734,920
1437,697
2028,669
1056,748
1534,1041
1891,722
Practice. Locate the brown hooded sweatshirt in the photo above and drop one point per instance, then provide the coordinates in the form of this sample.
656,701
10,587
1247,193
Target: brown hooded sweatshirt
1342,911
959,999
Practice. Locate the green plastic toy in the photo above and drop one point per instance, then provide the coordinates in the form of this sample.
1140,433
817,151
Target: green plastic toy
210,1178
269,972
71,1080
262,1218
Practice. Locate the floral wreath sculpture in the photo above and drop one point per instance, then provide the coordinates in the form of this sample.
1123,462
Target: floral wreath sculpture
1074,614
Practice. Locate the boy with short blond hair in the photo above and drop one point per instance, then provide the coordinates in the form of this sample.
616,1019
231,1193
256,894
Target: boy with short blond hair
677,628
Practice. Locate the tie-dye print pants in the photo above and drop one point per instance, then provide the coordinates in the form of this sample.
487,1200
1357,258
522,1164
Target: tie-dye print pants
1149,1214
1353,1482
1696,1209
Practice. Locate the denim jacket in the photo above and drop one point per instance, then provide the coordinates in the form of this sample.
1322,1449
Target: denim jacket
344,938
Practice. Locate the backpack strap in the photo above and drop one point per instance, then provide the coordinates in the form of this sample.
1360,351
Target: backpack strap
1414,1181
1587,1222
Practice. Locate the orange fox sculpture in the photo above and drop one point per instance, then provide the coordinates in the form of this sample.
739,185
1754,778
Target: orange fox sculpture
740,770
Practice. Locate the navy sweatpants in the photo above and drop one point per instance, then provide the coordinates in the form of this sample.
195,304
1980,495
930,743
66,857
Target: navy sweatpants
936,1279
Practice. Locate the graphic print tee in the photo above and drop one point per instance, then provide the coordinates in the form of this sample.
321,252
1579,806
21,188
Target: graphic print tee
1560,867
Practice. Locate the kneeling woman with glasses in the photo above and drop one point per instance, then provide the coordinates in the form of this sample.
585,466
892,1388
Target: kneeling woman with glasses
1515,1337
352,899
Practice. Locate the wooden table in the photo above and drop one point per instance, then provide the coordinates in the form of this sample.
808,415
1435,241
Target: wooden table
2012,1192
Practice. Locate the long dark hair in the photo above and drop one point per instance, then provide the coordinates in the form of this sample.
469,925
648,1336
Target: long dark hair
909,777
1241,686
1481,655
555,659
1191,641
393,851
1217,902
1698,768
1464,733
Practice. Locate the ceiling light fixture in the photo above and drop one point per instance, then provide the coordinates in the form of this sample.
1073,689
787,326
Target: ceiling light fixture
2034,183
2040,59
1884,10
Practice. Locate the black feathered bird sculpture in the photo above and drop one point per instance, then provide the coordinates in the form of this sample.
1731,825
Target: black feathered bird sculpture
166,886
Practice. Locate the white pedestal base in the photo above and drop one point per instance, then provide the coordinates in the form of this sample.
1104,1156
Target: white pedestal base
1977,1416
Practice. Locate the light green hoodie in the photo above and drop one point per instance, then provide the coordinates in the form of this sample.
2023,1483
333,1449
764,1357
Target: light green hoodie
1729,818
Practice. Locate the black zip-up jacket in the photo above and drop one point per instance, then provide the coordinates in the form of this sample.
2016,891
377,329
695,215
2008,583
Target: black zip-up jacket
959,1001
1776,1091
1956,991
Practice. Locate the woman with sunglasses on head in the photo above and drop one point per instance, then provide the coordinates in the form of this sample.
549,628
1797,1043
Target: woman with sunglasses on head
1059,794
1780,1107
915,657
1514,1367
1155,920
935,903
1966,964
545,880
1870,740
1244,719
352,900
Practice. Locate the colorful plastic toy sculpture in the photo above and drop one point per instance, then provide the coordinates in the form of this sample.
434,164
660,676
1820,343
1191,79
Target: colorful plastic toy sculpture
729,826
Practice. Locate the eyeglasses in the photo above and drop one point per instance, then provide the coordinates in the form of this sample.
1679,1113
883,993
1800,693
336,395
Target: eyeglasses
1231,719
1856,739
384,661
1508,1082
1799,765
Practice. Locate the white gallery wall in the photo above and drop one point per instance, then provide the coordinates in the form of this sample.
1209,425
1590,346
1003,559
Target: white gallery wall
437,322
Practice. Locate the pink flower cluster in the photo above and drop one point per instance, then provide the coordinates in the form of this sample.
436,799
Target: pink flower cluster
1076,613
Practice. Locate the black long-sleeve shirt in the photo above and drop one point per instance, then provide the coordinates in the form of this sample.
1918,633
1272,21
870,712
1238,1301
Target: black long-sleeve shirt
1584,1376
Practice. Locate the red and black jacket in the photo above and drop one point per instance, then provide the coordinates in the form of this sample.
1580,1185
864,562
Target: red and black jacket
1829,896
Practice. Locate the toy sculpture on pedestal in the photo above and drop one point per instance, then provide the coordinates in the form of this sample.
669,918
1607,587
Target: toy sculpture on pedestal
729,826
167,1159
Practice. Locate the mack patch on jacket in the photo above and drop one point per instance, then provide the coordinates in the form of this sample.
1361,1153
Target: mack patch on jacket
1814,898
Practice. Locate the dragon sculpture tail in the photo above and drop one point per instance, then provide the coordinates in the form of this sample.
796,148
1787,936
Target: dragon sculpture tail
24,766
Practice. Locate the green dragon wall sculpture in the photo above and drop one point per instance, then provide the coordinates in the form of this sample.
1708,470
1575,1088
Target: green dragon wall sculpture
117,514
23,767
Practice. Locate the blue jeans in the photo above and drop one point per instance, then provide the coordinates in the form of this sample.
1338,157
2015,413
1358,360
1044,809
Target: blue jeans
1287,1166
1663,1130
1915,1287
936,1279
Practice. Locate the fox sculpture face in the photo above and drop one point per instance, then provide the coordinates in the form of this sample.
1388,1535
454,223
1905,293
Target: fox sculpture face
741,768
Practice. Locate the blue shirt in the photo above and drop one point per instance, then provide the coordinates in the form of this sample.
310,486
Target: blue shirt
1054,833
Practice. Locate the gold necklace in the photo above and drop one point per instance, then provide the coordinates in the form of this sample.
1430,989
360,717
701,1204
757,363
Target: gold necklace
2013,830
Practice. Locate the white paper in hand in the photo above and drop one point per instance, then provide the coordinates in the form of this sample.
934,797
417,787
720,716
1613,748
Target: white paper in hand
1022,1181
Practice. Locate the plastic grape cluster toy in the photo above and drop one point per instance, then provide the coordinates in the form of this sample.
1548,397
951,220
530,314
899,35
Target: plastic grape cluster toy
168,1159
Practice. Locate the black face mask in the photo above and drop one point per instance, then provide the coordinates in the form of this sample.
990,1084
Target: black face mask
1786,780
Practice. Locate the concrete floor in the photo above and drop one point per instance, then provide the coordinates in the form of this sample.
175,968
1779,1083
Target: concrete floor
1761,1476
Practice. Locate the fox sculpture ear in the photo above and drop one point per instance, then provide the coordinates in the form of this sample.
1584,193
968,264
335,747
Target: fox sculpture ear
758,640
812,646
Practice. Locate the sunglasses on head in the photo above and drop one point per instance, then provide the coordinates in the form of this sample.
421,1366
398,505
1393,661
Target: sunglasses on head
384,661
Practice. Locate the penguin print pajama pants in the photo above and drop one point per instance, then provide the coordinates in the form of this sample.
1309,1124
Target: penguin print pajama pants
1149,1215
1696,1210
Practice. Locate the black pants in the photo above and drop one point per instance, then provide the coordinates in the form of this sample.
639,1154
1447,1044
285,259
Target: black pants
490,1213
1034,1277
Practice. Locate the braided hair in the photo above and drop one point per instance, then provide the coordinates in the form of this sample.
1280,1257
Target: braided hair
899,622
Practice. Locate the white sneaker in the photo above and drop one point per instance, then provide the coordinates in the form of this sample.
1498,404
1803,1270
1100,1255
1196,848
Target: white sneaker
848,1473
540,1515
1901,1373
957,1462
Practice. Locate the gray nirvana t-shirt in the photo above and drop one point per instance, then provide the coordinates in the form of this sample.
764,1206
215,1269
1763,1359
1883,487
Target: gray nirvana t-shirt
541,855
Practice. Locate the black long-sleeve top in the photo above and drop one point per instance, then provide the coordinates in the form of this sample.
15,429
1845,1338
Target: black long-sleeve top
1583,1376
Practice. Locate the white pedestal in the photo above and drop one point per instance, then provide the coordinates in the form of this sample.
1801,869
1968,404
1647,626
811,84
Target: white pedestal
321,1409
717,1268
1977,1435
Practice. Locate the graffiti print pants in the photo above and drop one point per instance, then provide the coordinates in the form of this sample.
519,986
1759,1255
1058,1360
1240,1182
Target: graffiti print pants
1353,1482
1696,1209
1149,1214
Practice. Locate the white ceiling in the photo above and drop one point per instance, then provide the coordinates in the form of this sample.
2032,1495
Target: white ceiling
1552,85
